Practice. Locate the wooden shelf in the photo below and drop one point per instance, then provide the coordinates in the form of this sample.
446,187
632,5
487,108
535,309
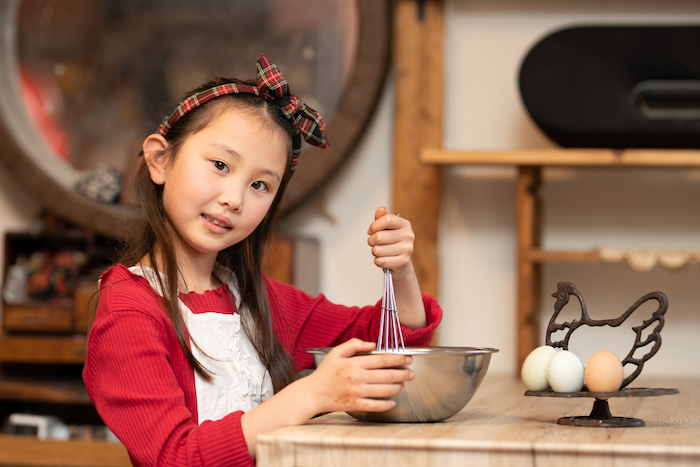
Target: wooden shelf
50,390
26,451
566,157
537,255
42,349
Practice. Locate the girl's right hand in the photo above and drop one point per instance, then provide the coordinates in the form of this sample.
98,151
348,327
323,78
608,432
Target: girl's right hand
342,382
345,382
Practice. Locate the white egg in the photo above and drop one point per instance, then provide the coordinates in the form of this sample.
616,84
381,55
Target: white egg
565,372
534,370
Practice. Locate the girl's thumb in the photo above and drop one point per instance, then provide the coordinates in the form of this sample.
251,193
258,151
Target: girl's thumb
352,347
381,211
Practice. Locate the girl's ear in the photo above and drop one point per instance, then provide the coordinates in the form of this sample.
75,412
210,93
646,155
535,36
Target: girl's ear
154,147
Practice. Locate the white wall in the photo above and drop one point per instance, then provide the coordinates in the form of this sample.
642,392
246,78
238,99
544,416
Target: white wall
486,41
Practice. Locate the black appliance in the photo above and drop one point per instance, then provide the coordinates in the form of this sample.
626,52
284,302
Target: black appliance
616,86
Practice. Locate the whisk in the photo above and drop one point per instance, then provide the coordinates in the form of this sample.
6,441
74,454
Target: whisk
390,335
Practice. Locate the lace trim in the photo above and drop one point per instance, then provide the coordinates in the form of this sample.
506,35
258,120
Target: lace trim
240,381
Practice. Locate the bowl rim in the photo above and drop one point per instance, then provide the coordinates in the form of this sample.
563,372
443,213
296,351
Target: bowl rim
428,350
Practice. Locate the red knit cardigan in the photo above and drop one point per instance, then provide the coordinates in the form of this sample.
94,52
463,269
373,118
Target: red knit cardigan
143,388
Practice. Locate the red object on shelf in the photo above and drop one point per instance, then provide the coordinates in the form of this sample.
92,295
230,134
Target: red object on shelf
41,99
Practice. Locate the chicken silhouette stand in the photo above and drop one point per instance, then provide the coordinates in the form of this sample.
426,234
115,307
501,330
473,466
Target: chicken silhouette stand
600,415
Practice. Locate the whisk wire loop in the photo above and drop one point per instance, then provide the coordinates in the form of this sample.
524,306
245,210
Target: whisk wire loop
390,337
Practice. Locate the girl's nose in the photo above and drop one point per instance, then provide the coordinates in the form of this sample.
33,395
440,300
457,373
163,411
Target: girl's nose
232,198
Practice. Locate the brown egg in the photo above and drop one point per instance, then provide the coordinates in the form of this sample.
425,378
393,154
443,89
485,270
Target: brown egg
603,372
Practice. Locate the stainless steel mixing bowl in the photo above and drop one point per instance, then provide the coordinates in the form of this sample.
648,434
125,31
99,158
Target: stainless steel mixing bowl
446,379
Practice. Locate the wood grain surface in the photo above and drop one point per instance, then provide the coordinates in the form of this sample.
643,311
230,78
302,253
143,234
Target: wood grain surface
503,427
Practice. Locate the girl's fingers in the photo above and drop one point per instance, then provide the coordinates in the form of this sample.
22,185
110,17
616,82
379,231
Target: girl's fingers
352,347
373,405
381,377
395,250
392,237
395,263
387,222
389,361
371,362
375,397
392,243
375,391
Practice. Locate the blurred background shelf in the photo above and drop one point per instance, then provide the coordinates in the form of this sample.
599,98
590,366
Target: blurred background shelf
24,451
42,349
537,255
573,157
48,390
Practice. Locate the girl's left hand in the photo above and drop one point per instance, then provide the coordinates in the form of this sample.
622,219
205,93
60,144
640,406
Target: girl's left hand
391,238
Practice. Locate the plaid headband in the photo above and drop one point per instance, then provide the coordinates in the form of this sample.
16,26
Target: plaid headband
272,87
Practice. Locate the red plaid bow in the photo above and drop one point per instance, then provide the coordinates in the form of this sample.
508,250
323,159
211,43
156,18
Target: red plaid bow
271,86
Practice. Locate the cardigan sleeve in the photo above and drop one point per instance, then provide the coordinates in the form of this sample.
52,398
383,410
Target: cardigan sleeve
143,388
303,322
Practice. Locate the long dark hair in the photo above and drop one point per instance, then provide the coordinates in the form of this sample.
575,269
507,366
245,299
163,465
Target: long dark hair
243,259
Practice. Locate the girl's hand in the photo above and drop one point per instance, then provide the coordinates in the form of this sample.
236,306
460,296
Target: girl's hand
341,382
391,238
344,382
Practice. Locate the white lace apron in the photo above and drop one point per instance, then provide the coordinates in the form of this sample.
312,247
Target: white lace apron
240,381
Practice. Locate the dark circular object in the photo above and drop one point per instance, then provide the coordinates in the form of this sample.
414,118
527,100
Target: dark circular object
25,155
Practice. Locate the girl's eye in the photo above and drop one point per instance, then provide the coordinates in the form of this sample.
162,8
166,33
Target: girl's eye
260,186
220,165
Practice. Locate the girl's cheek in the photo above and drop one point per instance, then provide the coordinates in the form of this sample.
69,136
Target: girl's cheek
262,211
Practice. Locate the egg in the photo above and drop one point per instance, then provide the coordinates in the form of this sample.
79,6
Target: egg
534,370
603,372
565,372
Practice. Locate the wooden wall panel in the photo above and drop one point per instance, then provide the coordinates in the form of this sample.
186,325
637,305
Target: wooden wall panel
418,73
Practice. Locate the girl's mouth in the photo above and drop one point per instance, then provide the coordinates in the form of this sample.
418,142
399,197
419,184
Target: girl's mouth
215,222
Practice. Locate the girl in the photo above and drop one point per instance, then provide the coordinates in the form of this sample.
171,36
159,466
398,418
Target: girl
193,352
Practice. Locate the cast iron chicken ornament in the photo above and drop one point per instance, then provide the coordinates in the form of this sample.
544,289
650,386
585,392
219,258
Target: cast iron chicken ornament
600,415
566,289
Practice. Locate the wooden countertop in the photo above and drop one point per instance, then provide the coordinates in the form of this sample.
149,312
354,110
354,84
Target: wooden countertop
501,426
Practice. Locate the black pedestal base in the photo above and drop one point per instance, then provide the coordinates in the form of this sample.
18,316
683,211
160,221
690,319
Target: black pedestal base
601,417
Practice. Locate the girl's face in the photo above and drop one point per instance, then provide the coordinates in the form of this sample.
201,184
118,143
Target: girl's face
223,180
